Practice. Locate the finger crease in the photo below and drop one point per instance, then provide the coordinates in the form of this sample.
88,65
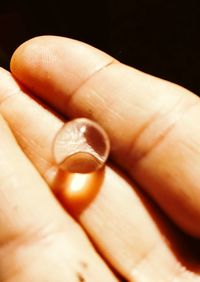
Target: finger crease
7,97
93,74
139,152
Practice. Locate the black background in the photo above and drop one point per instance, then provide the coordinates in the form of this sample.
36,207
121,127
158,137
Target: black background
156,36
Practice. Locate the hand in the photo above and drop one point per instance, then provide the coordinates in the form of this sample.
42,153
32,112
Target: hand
154,130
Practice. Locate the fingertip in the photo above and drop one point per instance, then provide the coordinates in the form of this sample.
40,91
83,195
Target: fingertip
25,56
48,65
79,59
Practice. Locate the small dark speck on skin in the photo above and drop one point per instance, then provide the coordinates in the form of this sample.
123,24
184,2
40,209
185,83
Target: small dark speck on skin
80,277
90,112
84,264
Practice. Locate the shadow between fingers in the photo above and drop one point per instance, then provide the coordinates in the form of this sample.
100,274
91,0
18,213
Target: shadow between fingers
185,248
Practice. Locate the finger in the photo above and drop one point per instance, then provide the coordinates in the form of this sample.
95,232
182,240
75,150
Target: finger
153,124
118,219
38,241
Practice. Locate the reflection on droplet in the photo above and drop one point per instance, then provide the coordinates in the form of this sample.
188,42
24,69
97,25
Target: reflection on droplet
81,163
81,146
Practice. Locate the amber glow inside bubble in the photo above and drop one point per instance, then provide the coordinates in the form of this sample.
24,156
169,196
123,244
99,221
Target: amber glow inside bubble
76,191
81,146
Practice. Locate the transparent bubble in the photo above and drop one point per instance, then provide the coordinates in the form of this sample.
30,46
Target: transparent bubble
81,146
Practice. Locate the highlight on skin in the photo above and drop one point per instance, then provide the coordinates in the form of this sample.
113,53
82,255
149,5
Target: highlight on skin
80,149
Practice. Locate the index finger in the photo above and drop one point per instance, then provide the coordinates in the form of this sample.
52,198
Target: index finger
153,124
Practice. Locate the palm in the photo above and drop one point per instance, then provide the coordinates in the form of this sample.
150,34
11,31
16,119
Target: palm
148,131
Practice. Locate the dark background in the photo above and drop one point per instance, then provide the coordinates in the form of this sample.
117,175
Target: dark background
156,36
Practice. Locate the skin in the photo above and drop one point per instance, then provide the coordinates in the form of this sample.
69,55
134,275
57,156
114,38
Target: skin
144,221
